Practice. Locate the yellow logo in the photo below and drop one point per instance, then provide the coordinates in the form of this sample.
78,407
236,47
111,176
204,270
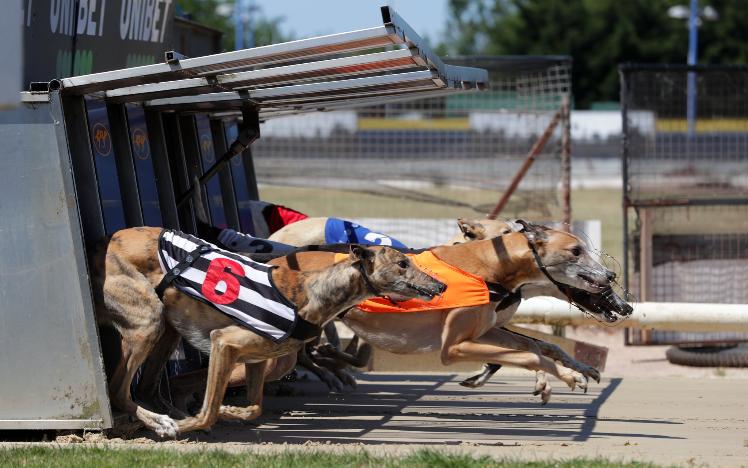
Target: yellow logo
206,145
140,144
101,139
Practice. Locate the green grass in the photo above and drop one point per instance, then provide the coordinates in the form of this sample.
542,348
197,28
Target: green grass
120,457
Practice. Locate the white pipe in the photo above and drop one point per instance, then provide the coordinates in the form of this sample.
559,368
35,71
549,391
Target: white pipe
678,316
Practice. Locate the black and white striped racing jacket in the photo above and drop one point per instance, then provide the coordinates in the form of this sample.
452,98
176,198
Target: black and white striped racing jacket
235,285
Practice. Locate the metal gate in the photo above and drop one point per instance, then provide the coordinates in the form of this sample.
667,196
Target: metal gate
685,169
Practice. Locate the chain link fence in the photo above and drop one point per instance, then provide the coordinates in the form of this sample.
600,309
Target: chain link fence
686,189
412,168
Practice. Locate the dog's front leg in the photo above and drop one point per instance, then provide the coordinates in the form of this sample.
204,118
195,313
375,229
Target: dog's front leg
557,354
330,379
224,352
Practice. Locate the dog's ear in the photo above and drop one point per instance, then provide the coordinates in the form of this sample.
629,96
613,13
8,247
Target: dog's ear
535,233
361,253
514,226
472,230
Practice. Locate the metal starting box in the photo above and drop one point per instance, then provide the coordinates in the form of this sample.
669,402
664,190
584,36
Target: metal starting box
85,156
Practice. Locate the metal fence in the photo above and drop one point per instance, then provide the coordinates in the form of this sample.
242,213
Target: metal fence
412,168
686,188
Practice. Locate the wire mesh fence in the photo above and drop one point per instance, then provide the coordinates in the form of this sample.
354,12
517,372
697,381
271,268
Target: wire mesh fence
687,187
414,167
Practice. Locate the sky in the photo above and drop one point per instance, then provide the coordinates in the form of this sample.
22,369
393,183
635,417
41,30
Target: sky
307,18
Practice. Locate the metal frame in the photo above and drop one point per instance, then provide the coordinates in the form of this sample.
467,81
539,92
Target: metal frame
162,169
644,208
327,72
119,129
230,208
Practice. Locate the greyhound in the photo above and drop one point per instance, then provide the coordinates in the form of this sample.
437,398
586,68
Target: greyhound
127,274
536,261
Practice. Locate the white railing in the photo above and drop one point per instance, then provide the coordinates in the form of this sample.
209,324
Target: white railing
678,316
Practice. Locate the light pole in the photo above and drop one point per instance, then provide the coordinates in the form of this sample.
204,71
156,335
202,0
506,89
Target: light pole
694,15
244,36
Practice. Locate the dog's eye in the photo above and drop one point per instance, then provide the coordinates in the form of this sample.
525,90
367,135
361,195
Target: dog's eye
470,235
576,251
402,264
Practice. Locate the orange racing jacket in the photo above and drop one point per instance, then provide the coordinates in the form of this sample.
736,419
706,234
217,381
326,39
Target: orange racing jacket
463,289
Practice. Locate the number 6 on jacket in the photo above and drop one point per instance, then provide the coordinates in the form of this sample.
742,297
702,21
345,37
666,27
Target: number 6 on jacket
222,270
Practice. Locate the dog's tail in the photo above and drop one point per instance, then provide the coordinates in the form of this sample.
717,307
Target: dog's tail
197,200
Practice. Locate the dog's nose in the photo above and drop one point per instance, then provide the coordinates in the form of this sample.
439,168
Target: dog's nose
610,275
441,287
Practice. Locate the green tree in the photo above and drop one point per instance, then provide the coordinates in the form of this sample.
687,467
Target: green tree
597,34
218,14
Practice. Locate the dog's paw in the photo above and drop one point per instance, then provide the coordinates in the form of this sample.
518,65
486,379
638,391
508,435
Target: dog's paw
346,378
575,379
590,372
326,350
164,426
542,387
474,381
234,413
331,380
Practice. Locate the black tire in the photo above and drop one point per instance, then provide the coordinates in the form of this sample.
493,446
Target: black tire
709,356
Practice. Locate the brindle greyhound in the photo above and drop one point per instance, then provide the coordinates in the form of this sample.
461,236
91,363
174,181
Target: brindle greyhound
538,261
127,271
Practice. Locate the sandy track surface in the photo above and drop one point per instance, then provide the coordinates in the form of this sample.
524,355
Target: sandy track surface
682,421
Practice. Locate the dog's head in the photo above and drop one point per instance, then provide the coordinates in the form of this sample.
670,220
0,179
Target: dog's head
392,273
479,229
574,272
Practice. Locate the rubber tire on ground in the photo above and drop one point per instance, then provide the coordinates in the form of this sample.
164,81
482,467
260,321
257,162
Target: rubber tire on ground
709,356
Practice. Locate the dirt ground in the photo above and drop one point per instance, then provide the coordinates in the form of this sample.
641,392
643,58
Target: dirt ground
644,409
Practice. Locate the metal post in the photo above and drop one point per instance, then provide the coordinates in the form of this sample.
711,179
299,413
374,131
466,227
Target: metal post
238,25
84,170
249,173
249,131
529,160
192,159
128,181
230,207
560,330
162,170
693,44
645,260
566,161
625,186
179,175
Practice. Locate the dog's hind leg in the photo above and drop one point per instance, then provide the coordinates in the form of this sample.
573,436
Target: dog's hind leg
136,312
152,374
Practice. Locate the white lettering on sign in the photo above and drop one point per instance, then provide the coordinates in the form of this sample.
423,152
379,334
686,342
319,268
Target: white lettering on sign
68,19
62,16
143,20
